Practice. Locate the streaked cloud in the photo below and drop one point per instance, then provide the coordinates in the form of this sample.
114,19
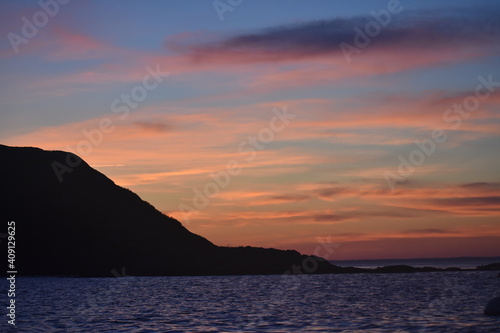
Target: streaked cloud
323,175
155,127
459,28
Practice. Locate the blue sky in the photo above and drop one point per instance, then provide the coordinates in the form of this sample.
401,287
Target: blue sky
325,173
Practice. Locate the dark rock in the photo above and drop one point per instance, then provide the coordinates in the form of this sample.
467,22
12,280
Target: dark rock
395,269
86,225
427,269
493,307
489,267
350,270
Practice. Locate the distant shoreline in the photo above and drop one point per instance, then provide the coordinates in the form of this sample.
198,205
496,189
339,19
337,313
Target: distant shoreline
390,269
459,262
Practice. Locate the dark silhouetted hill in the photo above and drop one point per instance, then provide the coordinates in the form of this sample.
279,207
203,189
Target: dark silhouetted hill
88,226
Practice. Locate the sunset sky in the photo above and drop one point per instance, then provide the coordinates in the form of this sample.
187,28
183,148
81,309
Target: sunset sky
374,125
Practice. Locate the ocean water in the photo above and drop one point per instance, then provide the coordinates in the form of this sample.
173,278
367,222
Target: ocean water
418,302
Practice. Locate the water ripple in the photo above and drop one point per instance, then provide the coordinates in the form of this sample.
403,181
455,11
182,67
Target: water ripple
420,302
